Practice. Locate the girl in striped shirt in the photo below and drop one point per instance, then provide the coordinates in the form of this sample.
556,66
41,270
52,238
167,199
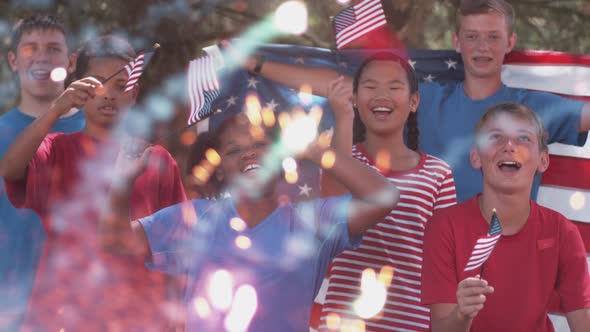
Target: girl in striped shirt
372,117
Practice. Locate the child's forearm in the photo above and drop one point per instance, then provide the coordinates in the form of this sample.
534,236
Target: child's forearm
116,232
14,163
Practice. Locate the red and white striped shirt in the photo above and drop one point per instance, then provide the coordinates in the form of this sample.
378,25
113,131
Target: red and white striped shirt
397,242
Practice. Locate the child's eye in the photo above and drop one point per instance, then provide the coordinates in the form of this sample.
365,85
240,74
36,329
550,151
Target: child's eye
524,138
471,37
54,50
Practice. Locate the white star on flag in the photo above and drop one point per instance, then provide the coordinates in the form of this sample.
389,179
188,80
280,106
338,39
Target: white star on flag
451,64
231,101
304,190
272,105
429,78
252,82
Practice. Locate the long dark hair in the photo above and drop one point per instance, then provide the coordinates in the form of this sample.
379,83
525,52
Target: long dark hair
412,132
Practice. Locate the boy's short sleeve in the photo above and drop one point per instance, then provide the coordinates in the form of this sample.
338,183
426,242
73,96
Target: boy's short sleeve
439,277
170,233
573,281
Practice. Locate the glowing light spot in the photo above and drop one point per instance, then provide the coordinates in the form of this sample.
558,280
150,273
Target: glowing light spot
188,137
213,157
328,159
577,201
316,114
386,275
291,17
253,109
289,164
220,289
343,2
356,325
291,177
243,309
58,74
305,95
268,117
189,216
257,132
243,242
383,160
201,174
237,224
100,90
202,307
373,296
299,133
333,321
325,139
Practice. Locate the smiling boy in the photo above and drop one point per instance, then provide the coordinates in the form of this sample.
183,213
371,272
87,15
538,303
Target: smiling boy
539,252
66,178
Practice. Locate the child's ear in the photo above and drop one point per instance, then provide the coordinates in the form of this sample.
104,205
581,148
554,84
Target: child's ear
414,102
474,158
543,162
72,63
135,92
12,60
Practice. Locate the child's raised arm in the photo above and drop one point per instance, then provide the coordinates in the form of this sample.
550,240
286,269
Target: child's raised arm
373,196
13,165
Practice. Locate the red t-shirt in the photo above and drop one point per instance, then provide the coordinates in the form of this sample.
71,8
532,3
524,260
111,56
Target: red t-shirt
79,287
547,254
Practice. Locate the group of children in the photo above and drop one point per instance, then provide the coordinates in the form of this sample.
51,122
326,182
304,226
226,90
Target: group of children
110,215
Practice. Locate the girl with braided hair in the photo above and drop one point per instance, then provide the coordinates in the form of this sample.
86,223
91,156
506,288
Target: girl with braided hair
376,119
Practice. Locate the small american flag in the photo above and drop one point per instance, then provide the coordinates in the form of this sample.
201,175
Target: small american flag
356,21
135,68
485,244
203,87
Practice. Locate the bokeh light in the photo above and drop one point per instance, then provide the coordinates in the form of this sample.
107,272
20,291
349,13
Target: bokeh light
253,109
202,307
299,133
305,94
373,295
58,74
291,177
213,157
333,321
291,17
243,309
220,290
268,117
328,159
383,160
237,224
243,242
289,164
577,201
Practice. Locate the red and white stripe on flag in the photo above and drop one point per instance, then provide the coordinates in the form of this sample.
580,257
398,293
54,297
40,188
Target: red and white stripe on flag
134,70
356,21
565,186
202,78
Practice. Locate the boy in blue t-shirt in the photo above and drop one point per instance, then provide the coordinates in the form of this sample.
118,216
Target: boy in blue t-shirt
38,47
276,253
448,112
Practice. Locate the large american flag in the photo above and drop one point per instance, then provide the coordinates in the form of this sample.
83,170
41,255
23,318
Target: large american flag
565,186
136,67
356,21
485,245
203,87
